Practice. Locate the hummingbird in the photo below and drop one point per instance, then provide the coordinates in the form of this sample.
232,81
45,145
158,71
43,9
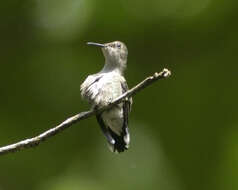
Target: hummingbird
102,88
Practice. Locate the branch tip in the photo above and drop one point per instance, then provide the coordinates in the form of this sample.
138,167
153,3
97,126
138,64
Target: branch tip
166,73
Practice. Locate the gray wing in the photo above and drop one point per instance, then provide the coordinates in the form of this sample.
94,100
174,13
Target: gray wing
126,110
127,101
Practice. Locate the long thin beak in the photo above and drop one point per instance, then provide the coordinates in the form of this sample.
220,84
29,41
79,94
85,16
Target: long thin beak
95,44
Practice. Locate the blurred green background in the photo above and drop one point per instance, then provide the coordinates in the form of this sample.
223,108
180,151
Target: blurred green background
184,131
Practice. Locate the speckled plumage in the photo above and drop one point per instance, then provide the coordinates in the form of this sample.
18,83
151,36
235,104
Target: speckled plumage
102,88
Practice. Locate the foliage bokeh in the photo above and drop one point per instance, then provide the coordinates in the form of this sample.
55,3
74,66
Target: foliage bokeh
183,130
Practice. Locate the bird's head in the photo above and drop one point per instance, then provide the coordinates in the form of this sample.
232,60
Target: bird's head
115,53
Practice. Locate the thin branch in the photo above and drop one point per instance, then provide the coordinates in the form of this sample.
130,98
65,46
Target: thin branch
32,142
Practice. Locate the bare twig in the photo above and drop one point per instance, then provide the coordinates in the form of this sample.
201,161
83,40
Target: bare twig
31,142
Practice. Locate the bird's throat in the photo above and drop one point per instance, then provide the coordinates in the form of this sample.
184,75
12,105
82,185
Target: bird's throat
113,66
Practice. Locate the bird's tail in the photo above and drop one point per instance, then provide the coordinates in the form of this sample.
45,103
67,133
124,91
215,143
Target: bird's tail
120,143
117,143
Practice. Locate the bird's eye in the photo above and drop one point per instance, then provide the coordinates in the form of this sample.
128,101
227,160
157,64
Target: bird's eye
119,46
